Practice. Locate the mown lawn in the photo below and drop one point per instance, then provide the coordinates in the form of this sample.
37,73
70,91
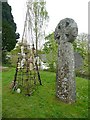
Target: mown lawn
43,102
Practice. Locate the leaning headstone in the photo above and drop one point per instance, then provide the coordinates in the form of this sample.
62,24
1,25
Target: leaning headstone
78,61
65,33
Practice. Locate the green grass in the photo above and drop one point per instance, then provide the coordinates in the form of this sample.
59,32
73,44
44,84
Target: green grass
43,102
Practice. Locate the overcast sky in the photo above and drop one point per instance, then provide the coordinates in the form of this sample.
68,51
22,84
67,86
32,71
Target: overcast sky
57,10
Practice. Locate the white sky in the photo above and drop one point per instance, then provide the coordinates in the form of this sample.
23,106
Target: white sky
57,10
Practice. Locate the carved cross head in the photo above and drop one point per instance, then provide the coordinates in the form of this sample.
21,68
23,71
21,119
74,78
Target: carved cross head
66,31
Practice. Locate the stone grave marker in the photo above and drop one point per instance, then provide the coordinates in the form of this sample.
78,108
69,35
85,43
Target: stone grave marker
65,33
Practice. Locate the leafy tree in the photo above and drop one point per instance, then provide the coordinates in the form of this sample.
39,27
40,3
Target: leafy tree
9,34
81,44
50,50
40,18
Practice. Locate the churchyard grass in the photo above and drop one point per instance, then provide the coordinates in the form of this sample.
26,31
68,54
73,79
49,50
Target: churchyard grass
43,102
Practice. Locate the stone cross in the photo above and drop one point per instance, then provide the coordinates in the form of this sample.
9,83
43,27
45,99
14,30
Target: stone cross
65,33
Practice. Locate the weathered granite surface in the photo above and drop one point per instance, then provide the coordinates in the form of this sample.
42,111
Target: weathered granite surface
65,33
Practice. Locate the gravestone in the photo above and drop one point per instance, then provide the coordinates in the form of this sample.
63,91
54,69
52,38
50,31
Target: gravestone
78,61
65,33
